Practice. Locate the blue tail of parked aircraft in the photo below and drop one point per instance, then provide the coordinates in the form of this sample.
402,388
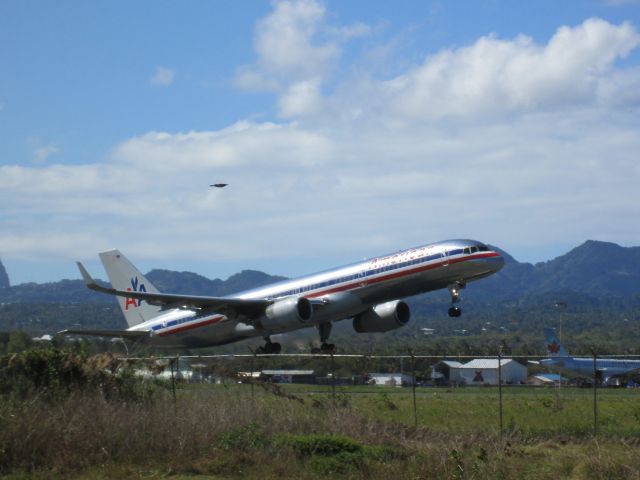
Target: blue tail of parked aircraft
554,347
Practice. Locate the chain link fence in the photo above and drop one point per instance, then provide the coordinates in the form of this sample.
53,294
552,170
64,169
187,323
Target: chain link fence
505,393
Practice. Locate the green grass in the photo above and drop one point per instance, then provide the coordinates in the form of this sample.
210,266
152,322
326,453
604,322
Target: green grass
527,411
295,431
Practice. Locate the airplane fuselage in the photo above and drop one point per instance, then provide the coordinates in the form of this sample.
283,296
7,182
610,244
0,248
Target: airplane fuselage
606,367
336,294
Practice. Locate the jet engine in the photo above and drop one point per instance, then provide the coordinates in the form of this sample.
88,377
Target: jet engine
383,317
287,314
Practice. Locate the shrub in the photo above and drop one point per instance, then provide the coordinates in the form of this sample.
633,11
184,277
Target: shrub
308,445
53,374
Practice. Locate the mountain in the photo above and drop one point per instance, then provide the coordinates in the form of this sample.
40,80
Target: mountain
75,291
194,284
595,276
596,270
4,278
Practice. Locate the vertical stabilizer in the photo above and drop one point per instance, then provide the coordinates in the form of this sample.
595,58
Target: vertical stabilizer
124,276
554,347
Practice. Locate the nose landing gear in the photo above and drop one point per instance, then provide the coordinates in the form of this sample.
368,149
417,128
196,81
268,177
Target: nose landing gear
454,290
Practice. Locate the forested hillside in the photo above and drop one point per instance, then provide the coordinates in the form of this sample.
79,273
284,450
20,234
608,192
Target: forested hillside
597,285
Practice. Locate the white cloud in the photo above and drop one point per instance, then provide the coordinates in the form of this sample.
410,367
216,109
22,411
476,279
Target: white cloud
42,154
508,141
284,40
297,51
163,77
504,76
303,98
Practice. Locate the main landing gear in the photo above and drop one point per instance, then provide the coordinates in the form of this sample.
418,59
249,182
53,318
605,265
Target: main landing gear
269,347
454,290
324,329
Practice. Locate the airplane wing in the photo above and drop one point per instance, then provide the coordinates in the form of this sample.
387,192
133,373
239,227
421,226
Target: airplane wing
168,301
129,334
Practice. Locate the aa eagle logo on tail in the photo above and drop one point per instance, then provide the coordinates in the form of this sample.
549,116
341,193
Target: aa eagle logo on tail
136,286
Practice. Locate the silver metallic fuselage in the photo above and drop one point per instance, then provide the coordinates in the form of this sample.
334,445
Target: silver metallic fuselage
340,293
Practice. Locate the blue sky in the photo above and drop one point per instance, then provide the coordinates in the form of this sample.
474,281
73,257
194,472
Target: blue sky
345,130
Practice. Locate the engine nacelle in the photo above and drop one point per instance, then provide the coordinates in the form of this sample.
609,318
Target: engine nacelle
383,317
288,313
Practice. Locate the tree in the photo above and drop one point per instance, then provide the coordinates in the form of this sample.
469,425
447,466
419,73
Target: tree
18,342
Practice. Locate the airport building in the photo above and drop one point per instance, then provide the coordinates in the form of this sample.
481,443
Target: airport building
391,379
481,371
288,376
447,372
545,379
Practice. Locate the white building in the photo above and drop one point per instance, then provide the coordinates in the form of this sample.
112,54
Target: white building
484,371
288,376
447,372
391,379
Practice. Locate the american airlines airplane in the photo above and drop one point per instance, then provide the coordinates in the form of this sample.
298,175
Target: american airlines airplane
368,292
607,368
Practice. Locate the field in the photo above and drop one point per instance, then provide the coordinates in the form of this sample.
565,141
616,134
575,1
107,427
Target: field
295,431
527,411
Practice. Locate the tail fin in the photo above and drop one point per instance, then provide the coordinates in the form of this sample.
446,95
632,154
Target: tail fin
124,276
554,347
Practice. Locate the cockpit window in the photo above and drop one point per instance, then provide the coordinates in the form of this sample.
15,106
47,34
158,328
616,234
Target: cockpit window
467,250
474,249
483,248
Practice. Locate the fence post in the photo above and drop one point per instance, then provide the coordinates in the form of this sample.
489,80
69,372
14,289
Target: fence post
173,382
413,387
594,352
333,380
253,357
500,388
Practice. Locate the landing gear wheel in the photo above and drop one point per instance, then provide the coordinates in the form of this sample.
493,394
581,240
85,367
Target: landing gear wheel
455,312
269,348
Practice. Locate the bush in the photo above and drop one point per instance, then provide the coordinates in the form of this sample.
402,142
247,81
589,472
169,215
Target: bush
246,437
308,445
53,374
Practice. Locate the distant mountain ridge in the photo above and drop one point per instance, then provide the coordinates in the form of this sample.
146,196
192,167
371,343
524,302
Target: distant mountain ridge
4,278
194,284
593,270
75,291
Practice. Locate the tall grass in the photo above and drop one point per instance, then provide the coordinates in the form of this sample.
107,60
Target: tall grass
228,432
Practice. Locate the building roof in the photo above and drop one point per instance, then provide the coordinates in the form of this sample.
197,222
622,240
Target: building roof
451,363
488,363
548,377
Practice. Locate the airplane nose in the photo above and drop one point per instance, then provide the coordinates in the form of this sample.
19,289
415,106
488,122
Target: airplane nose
495,263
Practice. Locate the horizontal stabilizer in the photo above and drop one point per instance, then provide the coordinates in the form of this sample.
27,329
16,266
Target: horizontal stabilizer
91,283
130,334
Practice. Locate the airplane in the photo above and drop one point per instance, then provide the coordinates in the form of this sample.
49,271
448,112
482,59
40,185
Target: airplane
607,369
368,292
